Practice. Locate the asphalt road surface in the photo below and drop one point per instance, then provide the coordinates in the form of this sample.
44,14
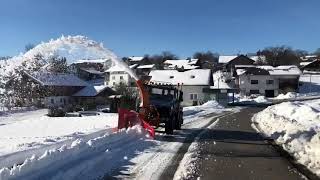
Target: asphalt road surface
233,150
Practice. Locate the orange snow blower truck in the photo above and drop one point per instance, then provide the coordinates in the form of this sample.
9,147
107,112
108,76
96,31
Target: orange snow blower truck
160,104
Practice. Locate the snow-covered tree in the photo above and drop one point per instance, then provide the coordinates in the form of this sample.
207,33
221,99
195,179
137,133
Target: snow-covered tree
58,65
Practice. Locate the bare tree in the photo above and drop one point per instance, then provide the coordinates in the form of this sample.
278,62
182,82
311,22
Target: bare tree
280,55
207,60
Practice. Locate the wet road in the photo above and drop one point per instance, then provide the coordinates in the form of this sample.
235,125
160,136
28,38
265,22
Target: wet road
233,150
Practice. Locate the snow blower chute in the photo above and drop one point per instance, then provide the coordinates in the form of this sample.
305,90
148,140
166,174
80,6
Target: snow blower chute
147,113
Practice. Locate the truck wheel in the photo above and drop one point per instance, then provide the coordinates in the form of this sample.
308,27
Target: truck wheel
169,126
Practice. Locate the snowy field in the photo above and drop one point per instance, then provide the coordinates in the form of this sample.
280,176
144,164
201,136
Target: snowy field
310,84
32,132
88,148
296,127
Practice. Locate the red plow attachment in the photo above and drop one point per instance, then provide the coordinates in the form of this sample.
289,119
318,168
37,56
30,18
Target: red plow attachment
129,118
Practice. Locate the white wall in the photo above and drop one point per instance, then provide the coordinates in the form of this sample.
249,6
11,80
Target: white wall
117,77
245,84
187,90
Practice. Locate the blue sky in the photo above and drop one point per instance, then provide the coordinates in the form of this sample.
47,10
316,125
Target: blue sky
138,27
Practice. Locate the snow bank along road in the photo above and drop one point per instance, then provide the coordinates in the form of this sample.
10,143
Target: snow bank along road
233,150
295,126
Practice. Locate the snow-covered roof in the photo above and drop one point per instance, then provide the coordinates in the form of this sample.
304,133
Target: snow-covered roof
91,91
282,70
226,59
240,71
90,61
148,66
191,77
92,71
118,68
57,79
279,70
243,66
305,63
256,58
135,58
179,63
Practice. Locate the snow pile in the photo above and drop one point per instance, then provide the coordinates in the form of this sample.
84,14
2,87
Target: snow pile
289,95
296,127
252,99
49,164
260,99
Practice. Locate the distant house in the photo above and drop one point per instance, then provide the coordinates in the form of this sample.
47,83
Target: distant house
193,83
117,75
93,95
56,89
144,70
309,58
311,67
229,62
239,60
140,60
182,64
91,75
267,80
91,70
222,87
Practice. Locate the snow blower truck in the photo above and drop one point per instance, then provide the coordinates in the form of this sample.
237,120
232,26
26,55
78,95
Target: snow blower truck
160,104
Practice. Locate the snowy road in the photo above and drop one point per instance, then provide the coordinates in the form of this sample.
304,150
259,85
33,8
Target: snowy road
162,160
233,150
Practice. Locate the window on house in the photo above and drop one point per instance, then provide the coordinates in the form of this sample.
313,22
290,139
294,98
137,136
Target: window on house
193,96
254,81
121,77
114,83
171,77
254,92
270,82
61,100
113,77
52,101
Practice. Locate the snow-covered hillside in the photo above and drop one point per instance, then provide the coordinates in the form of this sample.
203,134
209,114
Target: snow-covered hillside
73,48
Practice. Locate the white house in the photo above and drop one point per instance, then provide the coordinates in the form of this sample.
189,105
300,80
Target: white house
193,83
136,60
116,75
185,64
267,80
